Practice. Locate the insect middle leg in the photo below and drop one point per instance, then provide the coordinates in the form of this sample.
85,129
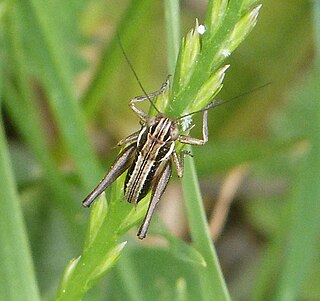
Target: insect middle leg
178,159
195,141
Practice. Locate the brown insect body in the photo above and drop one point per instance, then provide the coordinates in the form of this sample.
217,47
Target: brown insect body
154,147
148,155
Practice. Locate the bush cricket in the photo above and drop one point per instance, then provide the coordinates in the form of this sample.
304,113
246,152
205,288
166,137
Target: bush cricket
148,155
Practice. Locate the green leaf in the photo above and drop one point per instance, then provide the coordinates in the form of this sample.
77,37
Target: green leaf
209,89
197,80
68,273
128,29
241,30
56,76
97,216
107,262
215,14
181,294
217,42
26,114
185,252
305,223
212,281
18,281
190,49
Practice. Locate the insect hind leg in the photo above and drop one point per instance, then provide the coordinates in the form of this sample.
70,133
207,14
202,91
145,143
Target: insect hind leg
121,163
157,191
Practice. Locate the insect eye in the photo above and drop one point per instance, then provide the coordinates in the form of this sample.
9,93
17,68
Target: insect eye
174,132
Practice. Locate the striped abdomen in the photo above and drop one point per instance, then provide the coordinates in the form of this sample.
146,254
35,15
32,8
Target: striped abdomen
154,146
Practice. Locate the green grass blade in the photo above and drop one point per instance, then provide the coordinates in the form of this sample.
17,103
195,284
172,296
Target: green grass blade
83,272
57,79
270,262
213,284
225,154
129,277
26,116
101,248
237,21
173,32
128,28
304,229
18,281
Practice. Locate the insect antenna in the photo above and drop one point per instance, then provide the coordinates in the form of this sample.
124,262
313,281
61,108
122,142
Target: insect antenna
218,102
135,74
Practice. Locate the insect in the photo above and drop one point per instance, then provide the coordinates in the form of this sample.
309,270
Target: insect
149,154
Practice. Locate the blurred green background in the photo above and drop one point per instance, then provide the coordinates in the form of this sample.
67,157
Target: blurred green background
63,75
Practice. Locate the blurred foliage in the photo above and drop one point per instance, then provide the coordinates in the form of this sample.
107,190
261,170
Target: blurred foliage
270,246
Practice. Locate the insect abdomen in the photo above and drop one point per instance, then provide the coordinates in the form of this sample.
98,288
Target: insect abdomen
139,179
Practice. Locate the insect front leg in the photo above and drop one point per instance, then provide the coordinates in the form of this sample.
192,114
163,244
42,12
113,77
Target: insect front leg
196,141
121,163
143,115
157,191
